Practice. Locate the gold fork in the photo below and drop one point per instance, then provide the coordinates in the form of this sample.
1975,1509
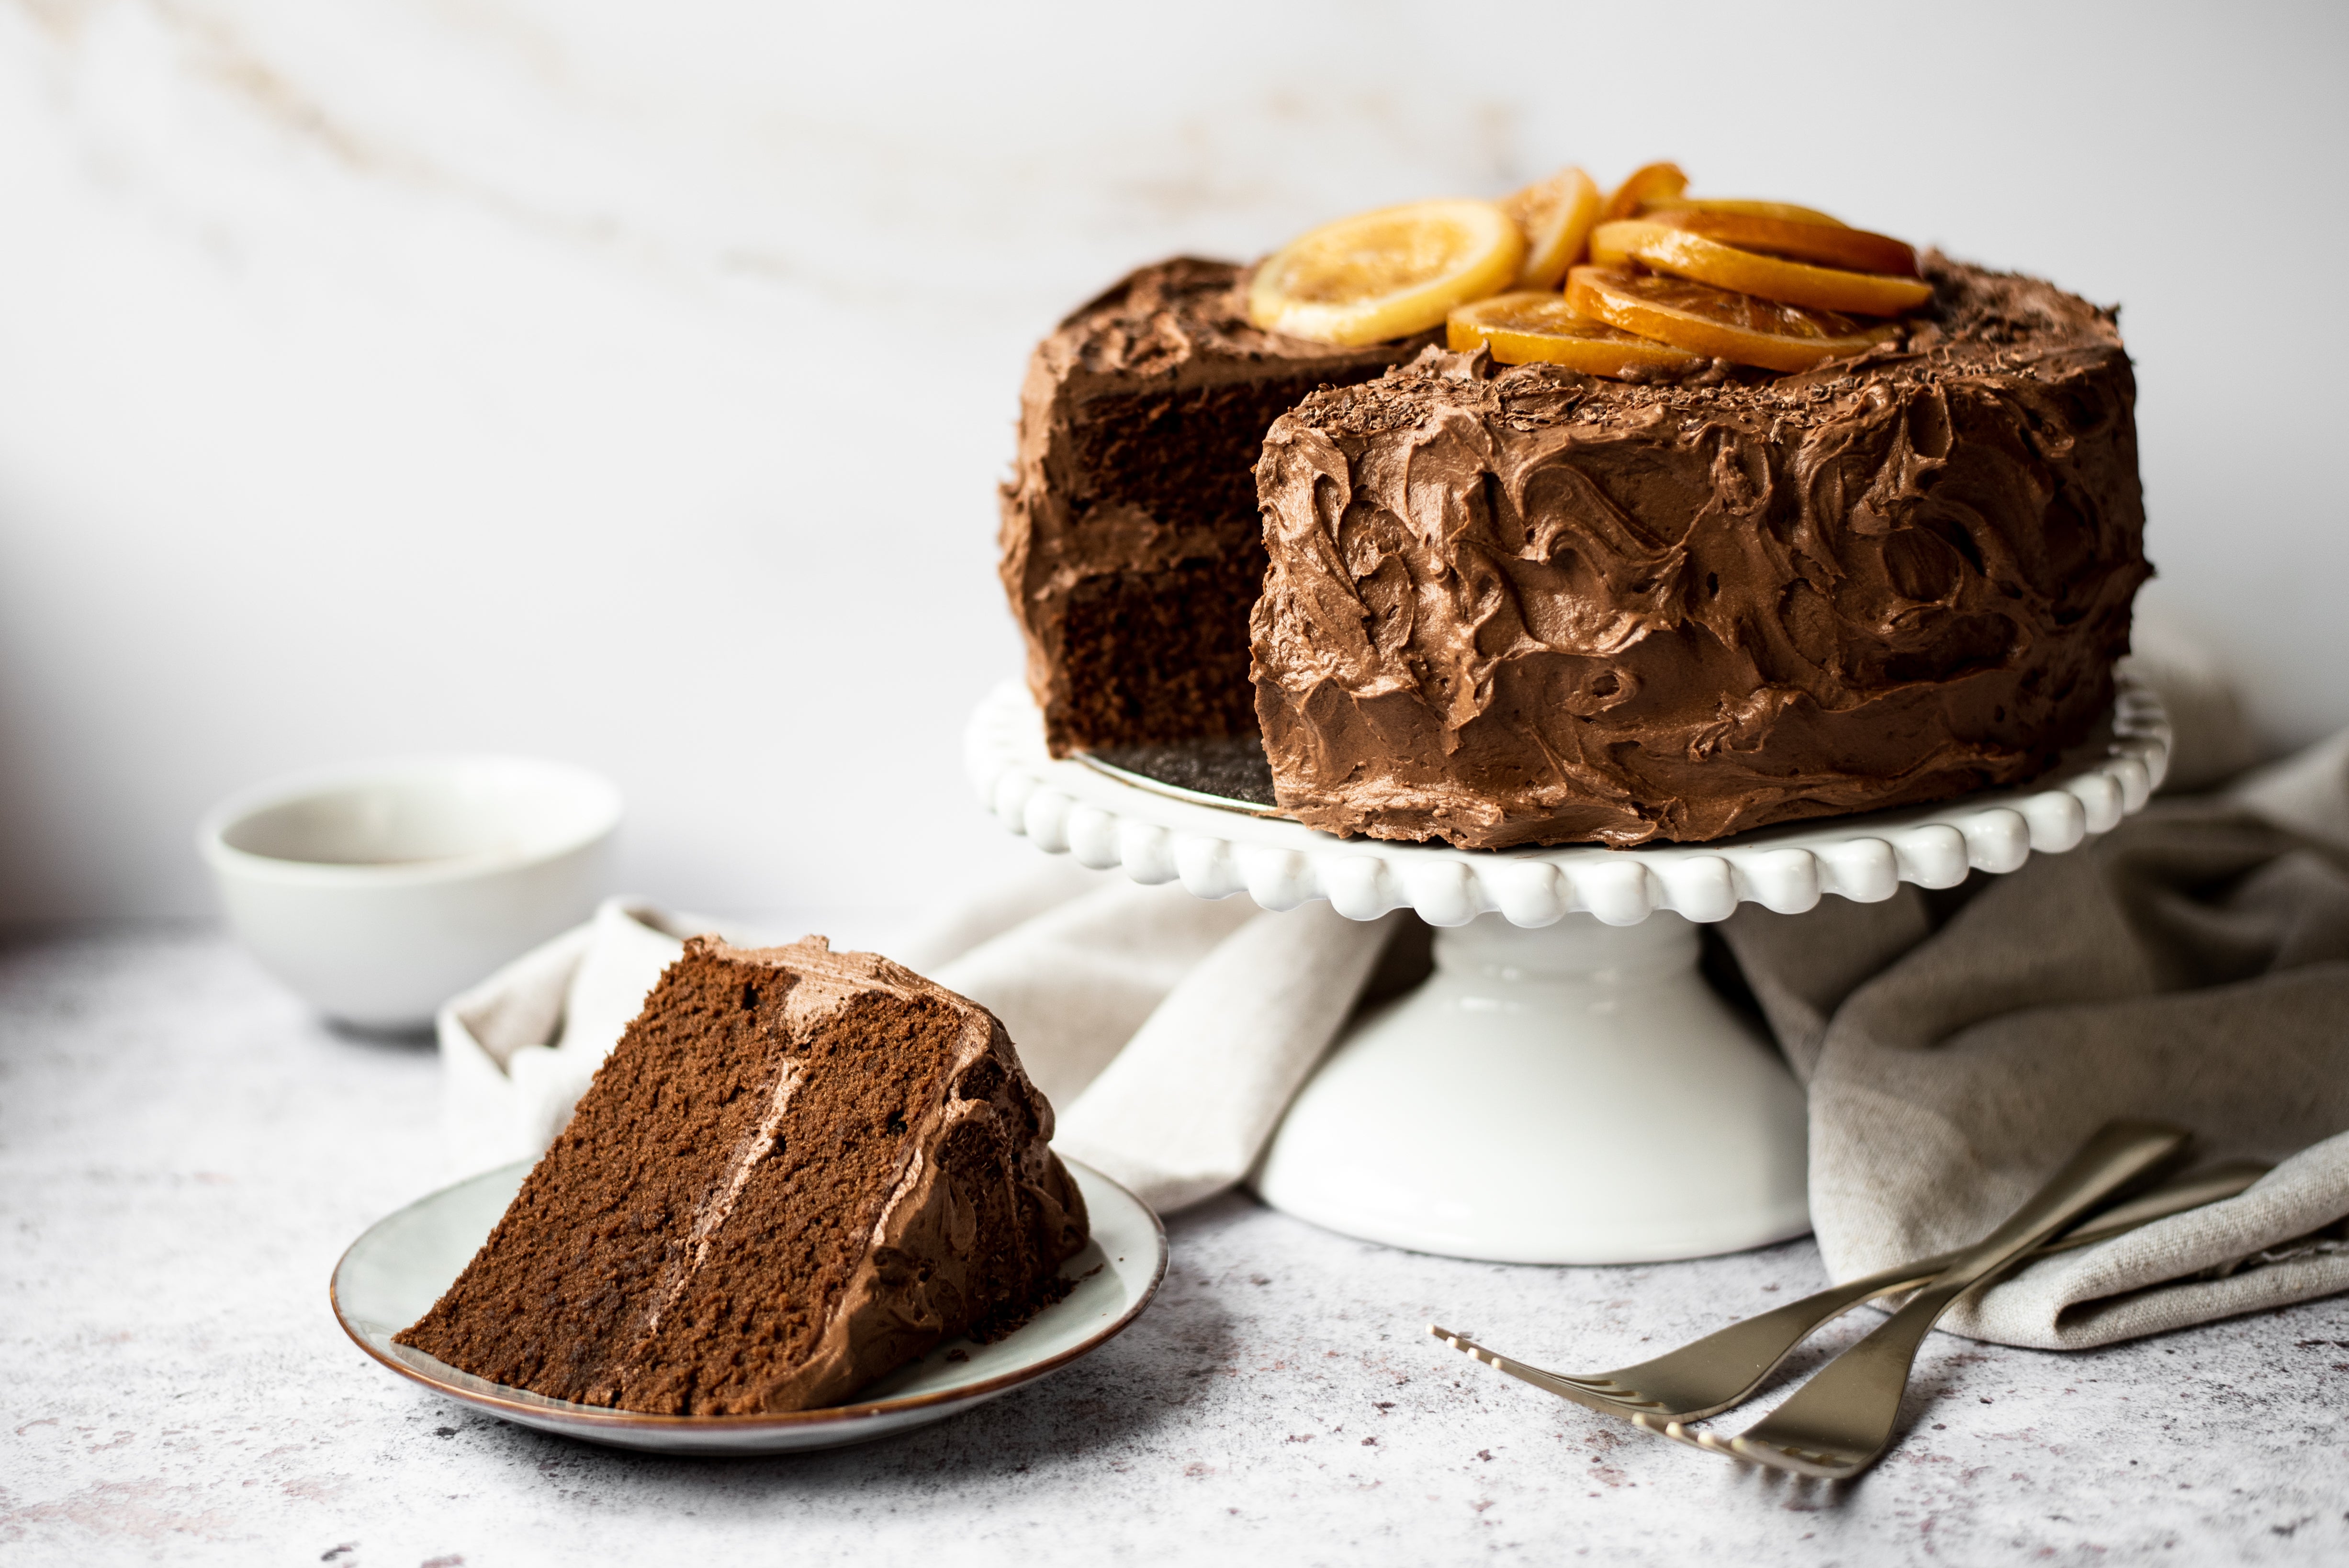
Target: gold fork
1720,1369
1842,1420
1710,1375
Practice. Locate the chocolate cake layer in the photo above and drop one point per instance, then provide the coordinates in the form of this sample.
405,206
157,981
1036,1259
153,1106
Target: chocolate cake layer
1132,547
798,1169
1526,606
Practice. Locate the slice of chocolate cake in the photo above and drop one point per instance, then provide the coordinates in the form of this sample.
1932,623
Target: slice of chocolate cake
1530,606
1132,547
798,1169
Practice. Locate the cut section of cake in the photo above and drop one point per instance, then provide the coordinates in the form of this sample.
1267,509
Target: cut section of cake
798,1170
1131,548
1524,605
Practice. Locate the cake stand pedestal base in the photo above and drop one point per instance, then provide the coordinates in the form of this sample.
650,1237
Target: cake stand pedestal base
1571,1094
1563,1090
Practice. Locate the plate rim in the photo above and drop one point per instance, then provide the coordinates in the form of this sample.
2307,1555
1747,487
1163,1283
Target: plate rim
594,1417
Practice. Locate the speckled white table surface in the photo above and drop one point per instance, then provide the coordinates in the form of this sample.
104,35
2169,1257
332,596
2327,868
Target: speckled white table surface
183,1153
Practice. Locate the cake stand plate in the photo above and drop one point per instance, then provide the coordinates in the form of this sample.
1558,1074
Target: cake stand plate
1565,1088
395,1270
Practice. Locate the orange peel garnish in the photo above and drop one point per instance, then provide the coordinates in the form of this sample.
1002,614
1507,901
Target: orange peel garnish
1650,183
1537,326
1692,256
1716,321
1827,244
1556,217
1387,274
1785,210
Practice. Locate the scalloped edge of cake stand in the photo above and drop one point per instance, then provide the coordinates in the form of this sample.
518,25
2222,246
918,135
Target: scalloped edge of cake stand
1438,1123
1215,850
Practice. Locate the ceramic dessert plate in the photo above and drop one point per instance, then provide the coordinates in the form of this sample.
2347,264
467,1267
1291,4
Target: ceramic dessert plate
398,1268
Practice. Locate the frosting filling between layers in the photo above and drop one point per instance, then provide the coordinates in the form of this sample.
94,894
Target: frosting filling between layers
1524,605
798,1170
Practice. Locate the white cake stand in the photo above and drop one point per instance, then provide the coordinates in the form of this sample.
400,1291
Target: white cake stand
1565,1087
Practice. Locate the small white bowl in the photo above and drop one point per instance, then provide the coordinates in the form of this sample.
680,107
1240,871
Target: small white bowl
377,891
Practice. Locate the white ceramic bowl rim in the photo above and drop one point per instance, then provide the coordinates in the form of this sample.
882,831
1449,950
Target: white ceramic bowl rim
584,808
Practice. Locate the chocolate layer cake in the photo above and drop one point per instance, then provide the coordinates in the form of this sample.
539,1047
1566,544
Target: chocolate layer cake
1526,605
1132,547
798,1169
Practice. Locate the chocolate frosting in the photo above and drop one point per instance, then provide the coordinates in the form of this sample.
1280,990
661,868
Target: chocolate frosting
925,1260
1522,605
1111,480
728,1225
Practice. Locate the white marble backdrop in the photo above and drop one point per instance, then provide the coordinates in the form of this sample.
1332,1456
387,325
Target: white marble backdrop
628,383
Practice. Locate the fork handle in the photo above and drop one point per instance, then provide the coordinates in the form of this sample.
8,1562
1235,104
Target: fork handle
2118,1154
1753,1348
1863,1387
2175,1196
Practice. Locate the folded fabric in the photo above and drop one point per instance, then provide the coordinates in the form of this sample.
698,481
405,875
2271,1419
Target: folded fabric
1171,1032
2191,965
517,1051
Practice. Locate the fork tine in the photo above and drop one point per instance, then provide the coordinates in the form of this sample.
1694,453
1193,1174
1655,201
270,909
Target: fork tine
1678,1432
1470,1348
1548,1382
1593,1392
1476,1352
1818,1467
1493,1358
1690,1437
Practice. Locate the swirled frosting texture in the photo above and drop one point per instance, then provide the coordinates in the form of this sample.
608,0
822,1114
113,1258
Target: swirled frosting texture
1526,606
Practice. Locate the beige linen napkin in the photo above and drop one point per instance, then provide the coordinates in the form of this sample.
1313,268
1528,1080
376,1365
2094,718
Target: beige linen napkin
1168,1031
2192,965
517,1051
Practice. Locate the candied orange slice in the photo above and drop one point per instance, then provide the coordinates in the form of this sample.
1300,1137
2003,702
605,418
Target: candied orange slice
1786,210
1650,183
1707,320
1829,244
1536,325
1676,251
1556,217
1387,274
